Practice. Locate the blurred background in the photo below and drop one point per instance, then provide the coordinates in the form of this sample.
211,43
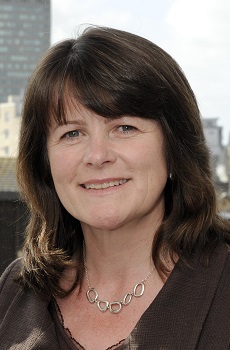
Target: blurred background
195,32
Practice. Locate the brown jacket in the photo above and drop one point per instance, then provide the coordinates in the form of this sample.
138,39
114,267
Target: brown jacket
192,311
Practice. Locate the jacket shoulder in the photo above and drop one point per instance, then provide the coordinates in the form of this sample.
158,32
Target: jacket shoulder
7,279
25,320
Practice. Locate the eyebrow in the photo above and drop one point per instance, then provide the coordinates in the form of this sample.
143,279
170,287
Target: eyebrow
69,122
75,121
82,122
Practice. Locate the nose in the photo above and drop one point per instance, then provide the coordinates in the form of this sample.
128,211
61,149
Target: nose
99,152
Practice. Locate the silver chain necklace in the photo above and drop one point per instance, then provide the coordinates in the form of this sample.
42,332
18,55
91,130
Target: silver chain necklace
114,306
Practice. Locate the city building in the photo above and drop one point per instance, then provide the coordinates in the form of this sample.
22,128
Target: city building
220,156
228,166
10,112
24,36
213,136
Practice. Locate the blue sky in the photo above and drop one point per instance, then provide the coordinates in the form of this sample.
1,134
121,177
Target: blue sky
195,32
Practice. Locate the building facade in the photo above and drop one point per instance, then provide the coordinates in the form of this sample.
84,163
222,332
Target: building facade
24,36
213,136
10,121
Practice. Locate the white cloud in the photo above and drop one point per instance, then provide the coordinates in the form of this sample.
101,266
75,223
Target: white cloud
201,44
69,15
144,17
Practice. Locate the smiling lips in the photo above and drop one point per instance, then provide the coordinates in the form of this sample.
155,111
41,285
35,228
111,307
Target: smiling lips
100,186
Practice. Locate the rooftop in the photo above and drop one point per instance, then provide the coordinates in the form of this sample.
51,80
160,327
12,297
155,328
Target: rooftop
8,182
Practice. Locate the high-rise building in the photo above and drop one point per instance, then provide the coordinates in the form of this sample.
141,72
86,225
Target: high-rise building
213,135
24,36
9,127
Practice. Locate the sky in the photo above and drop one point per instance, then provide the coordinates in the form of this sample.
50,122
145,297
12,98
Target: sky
196,33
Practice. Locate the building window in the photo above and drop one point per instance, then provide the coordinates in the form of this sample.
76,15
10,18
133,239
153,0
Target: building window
6,133
7,116
6,150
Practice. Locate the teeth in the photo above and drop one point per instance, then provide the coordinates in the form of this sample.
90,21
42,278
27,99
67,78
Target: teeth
105,185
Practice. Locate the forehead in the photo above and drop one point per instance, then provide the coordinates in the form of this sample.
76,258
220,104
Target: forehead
70,103
69,109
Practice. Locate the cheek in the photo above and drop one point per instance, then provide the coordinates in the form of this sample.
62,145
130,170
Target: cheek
153,162
63,166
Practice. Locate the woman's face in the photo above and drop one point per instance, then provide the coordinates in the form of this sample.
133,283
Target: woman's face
108,172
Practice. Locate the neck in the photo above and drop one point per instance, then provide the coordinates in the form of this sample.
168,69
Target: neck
118,265
117,255
113,306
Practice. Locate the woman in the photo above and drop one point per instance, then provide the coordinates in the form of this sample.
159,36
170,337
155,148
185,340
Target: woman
124,247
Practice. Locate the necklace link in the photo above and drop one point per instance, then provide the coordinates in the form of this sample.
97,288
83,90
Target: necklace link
136,287
91,291
115,310
127,298
102,305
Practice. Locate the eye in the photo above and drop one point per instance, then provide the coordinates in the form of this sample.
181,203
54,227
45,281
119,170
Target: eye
127,128
71,134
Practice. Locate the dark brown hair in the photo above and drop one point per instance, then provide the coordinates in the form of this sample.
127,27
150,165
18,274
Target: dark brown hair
114,73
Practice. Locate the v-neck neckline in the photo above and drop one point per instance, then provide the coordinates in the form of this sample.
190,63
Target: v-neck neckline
56,312
179,309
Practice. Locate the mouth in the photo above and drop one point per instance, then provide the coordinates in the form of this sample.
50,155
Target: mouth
104,185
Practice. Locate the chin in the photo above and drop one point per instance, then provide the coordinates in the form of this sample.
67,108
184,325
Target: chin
106,224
